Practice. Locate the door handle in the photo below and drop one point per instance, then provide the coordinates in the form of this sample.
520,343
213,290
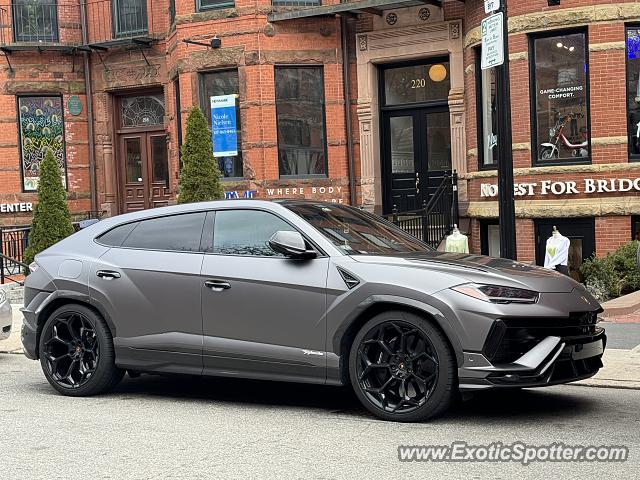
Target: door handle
217,285
107,274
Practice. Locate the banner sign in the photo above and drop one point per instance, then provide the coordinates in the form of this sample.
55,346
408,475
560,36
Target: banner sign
587,186
224,134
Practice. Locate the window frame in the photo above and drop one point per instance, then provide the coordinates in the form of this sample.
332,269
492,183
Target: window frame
324,121
205,107
115,21
320,252
480,140
632,157
484,234
20,139
96,239
223,4
531,38
21,38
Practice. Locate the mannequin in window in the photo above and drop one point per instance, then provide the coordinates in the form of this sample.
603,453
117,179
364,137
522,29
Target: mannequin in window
456,242
557,252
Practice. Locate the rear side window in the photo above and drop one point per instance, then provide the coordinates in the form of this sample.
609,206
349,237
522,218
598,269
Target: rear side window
179,233
115,236
246,232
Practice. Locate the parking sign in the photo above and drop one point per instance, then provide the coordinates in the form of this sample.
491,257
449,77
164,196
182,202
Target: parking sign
492,41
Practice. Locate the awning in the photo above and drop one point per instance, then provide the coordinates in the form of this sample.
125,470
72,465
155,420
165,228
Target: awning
375,7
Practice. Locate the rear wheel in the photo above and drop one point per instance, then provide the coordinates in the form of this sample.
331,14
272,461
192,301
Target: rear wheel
402,368
76,352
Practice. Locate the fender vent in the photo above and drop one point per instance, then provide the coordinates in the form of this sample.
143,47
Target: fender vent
350,280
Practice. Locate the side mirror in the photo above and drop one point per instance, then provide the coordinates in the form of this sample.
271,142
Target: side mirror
290,244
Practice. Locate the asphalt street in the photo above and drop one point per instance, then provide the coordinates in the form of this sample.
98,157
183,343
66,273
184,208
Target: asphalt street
159,427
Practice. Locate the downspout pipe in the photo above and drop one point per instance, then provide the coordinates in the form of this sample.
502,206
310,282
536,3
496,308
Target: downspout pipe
89,96
347,109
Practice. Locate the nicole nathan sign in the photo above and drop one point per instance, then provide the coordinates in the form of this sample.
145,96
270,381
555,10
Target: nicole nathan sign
550,187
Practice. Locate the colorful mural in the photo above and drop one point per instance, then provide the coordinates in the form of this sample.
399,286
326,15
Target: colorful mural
41,129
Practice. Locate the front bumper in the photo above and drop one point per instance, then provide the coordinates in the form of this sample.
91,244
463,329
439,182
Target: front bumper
5,319
554,360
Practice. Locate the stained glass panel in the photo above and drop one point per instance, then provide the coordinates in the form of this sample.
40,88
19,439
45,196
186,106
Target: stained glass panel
41,129
142,111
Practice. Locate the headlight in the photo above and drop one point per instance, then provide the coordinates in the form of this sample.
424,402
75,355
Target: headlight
497,293
3,296
552,132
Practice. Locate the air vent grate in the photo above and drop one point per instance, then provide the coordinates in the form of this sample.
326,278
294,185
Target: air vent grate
350,280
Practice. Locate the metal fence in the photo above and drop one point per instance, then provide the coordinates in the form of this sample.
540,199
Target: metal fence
435,221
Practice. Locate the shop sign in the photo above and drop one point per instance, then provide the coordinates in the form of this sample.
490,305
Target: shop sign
329,194
16,207
223,126
492,41
549,187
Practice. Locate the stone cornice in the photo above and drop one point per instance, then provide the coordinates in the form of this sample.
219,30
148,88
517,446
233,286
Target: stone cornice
535,22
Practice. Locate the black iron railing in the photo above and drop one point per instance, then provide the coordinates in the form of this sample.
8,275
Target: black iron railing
13,242
296,3
436,219
117,20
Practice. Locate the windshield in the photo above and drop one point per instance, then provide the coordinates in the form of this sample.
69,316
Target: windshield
356,232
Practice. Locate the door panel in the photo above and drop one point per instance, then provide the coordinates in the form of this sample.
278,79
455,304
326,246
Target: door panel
155,306
403,166
417,154
269,320
145,171
159,170
133,151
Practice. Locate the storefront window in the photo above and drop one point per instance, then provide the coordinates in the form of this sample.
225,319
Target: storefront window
300,120
633,91
41,130
417,83
487,115
490,238
221,100
560,102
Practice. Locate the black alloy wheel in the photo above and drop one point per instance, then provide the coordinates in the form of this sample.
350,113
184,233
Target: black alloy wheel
76,352
71,349
401,367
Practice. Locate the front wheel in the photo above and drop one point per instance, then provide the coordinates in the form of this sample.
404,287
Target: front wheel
76,352
547,153
402,368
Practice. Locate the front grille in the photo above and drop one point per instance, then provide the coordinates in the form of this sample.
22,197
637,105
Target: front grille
510,338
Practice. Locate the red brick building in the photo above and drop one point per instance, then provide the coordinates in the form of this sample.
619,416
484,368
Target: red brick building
368,102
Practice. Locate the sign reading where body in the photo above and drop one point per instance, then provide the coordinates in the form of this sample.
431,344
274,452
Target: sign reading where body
224,133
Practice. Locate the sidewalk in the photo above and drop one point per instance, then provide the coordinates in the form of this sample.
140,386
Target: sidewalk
13,343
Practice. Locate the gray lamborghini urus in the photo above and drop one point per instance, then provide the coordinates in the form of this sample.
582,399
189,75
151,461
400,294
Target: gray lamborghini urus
300,291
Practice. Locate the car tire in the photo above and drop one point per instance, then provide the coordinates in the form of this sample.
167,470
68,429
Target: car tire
88,340
436,369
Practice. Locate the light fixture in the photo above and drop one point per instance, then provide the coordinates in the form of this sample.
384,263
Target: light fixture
559,45
571,49
438,72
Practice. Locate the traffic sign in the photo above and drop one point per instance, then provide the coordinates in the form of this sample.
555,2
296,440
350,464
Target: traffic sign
491,5
492,41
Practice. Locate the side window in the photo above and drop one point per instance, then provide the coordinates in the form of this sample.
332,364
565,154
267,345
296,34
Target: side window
175,233
246,232
115,236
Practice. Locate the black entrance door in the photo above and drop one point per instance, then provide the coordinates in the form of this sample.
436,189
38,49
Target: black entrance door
581,233
416,155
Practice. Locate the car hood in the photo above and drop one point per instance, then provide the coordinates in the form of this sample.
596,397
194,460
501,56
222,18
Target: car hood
481,269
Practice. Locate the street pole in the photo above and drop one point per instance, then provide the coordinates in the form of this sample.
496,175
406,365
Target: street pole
506,204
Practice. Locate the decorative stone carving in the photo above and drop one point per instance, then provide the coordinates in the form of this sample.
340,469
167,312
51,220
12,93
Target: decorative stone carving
269,30
424,14
132,76
391,18
362,42
454,31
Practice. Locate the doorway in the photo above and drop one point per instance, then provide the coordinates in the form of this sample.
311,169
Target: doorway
142,153
416,133
581,234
